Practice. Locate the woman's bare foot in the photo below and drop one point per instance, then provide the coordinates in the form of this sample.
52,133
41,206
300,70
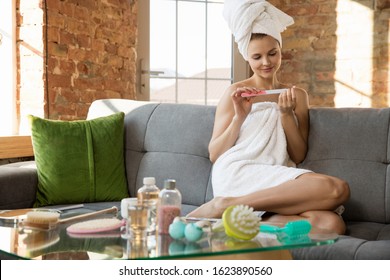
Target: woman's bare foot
212,209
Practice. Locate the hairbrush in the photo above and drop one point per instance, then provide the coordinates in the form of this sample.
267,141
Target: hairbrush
48,219
291,229
241,222
14,216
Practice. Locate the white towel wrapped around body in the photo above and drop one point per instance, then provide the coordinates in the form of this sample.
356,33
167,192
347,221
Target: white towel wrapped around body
259,159
245,17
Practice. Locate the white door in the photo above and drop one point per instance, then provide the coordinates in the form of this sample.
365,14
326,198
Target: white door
185,52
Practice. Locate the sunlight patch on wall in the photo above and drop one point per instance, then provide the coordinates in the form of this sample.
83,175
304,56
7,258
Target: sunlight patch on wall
354,69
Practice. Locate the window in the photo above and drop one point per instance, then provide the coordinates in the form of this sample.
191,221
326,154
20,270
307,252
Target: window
16,97
22,65
7,68
191,52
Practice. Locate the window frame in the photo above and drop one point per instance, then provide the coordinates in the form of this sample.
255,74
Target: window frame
240,68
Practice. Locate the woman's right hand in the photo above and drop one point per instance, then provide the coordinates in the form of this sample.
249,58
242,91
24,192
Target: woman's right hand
242,105
231,113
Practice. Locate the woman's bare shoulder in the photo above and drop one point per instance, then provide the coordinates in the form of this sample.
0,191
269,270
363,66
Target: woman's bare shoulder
302,96
302,100
300,91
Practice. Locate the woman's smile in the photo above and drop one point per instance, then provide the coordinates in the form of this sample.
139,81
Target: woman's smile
267,69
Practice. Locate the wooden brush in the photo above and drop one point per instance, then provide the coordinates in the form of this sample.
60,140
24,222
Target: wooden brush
17,215
49,219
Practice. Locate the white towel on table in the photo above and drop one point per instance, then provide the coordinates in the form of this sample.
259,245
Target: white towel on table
245,17
259,159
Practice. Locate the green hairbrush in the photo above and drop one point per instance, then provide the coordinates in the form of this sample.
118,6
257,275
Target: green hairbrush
291,229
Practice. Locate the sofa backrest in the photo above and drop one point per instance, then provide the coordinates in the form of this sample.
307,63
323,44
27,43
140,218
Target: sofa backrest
165,141
353,144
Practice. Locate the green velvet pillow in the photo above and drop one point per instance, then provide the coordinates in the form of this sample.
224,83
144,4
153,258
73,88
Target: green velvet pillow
79,161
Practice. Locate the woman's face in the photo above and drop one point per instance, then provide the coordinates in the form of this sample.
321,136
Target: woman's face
264,56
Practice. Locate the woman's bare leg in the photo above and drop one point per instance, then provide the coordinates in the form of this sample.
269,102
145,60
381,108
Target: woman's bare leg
310,191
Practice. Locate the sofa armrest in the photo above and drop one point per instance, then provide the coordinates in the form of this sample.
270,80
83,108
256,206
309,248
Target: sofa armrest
18,185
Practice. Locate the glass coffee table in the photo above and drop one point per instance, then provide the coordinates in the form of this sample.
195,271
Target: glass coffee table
20,243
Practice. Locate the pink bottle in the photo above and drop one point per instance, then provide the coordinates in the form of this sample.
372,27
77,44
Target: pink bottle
170,206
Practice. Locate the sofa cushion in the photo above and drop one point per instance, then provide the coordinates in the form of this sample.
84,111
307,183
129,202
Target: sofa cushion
79,161
170,141
346,248
369,230
18,185
165,141
353,144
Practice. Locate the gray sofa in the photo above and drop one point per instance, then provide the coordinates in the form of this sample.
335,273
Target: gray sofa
171,141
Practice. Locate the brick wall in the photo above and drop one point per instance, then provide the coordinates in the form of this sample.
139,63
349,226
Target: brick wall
309,48
88,48
338,50
91,54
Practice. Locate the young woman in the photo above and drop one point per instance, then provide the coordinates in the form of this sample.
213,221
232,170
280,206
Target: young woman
278,126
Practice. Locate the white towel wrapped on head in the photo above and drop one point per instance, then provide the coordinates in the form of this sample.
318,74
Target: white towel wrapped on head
259,159
245,17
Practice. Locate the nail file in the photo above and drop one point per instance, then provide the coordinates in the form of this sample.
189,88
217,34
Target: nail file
262,92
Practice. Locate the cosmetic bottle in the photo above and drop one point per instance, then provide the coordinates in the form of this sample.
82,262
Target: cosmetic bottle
149,194
169,206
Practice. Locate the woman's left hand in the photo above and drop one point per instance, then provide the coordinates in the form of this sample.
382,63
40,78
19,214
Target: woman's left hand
287,101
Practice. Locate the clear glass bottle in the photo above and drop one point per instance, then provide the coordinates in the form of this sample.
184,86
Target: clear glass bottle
149,194
169,207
